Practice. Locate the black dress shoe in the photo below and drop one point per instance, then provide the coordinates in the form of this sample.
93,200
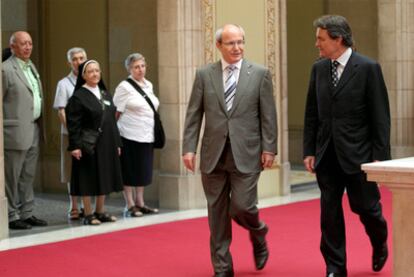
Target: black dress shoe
261,254
260,251
379,257
34,221
334,274
19,225
224,274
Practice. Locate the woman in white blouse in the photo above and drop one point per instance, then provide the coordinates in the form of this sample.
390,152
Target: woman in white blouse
136,126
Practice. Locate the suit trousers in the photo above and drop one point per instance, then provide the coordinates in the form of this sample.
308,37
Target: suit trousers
230,195
364,199
20,169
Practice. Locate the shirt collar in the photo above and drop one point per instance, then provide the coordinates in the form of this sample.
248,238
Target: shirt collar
225,64
24,65
72,76
344,58
145,82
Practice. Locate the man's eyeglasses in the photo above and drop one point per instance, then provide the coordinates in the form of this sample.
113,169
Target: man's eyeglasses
231,44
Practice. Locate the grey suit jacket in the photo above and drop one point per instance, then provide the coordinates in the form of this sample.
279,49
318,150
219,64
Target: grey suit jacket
18,122
250,125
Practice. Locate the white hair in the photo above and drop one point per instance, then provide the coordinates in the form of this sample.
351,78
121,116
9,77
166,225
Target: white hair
73,51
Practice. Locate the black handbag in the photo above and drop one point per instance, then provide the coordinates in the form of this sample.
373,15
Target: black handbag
159,134
89,140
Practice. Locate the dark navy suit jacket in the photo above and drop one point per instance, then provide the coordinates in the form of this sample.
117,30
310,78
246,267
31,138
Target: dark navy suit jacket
354,116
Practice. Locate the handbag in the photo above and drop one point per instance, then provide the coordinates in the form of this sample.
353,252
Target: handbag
90,137
159,134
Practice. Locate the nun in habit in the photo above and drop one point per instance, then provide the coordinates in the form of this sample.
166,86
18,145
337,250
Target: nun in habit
98,173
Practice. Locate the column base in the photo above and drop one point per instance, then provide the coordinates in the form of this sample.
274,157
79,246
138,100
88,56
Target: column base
274,181
402,151
181,192
4,219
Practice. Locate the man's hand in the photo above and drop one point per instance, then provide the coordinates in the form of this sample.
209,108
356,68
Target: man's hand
189,160
309,163
267,159
77,153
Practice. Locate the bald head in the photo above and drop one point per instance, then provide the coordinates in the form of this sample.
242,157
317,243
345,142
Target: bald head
230,42
228,28
21,45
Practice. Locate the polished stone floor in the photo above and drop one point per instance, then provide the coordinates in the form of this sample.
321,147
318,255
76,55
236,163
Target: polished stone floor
53,208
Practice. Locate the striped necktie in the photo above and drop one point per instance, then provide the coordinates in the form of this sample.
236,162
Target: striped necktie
335,73
230,86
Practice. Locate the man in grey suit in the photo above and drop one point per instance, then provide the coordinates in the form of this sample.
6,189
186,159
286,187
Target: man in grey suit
240,132
22,109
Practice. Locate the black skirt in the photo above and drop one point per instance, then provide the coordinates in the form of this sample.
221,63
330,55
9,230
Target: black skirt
136,162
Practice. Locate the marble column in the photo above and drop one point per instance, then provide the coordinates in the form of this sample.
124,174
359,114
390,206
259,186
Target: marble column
276,53
180,48
4,225
396,55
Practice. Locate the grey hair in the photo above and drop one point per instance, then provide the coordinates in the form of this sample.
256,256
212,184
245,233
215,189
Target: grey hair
133,58
73,51
337,26
219,32
13,37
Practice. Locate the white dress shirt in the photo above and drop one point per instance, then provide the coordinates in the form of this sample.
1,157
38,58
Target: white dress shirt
236,71
343,60
137,118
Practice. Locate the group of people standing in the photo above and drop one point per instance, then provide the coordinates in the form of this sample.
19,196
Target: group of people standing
122,155
347,123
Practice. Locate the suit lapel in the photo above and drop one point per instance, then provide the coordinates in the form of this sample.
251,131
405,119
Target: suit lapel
242,84
349,72
20,74
216,76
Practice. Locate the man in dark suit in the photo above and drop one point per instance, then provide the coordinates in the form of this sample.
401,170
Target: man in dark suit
22,109
347,123
240,132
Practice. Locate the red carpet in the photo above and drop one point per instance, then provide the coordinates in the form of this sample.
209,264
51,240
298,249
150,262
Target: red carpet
181,249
